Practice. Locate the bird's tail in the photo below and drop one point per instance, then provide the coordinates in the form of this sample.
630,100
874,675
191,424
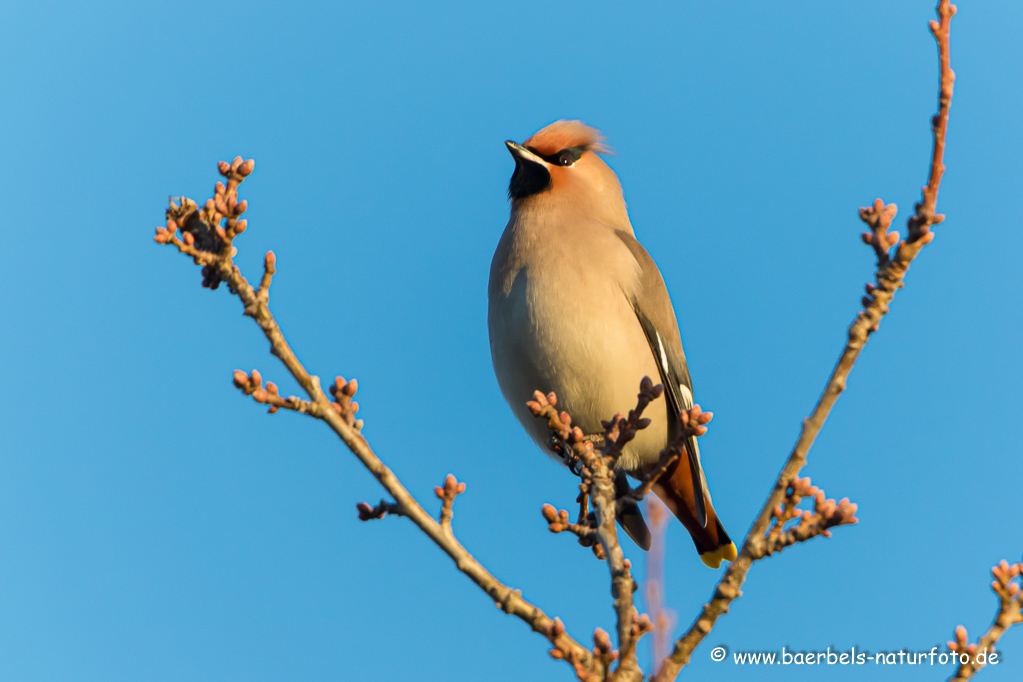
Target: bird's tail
675,488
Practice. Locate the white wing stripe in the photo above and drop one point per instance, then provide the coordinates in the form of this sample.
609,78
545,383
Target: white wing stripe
664,358
687,396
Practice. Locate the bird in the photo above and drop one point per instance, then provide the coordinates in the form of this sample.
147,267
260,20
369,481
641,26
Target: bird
577,306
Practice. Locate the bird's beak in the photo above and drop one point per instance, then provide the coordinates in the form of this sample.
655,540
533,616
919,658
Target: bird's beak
520,153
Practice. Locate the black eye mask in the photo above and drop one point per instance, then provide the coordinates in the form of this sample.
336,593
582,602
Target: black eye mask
566,157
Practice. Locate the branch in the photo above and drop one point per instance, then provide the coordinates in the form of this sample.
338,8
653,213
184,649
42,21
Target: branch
557,522
826,514
207,235
595,467
597,474
596,471
622,583
1010,612
641,625
890,274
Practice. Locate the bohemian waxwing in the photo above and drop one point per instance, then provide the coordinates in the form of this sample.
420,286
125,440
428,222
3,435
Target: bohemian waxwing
578,307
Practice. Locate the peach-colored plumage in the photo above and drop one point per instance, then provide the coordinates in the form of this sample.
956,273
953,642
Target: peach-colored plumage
577,306
563,134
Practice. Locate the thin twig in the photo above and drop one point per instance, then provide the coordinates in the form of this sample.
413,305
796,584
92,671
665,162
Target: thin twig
557,522
269,270
890,275
447,494
973,657
826,514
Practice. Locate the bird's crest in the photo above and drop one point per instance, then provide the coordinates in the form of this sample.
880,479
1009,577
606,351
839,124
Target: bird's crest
564,134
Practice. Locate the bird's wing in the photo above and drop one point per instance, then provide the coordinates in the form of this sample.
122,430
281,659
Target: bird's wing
657,317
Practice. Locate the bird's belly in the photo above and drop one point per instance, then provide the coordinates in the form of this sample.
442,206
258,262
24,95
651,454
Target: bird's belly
543,341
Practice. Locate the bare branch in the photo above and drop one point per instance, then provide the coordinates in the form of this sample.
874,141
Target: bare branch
890,275
618,431
973,657
252,384
596,469
622,584
603,649
557,522
924,217
269,270
879,218
826,514
207,236
641,626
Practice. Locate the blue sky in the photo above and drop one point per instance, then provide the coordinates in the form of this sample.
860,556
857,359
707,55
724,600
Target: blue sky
154,525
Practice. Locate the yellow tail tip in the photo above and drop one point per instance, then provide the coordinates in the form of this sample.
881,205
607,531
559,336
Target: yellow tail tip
714,558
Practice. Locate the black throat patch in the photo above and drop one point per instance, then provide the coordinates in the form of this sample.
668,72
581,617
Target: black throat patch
528,179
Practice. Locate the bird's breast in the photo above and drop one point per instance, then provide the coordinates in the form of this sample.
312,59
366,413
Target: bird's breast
561,320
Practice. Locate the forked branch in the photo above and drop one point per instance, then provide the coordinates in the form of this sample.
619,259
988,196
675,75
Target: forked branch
1007,582
595,467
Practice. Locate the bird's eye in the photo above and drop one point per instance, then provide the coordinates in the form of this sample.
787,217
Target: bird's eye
565,160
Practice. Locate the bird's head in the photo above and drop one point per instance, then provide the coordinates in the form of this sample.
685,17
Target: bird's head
560,167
